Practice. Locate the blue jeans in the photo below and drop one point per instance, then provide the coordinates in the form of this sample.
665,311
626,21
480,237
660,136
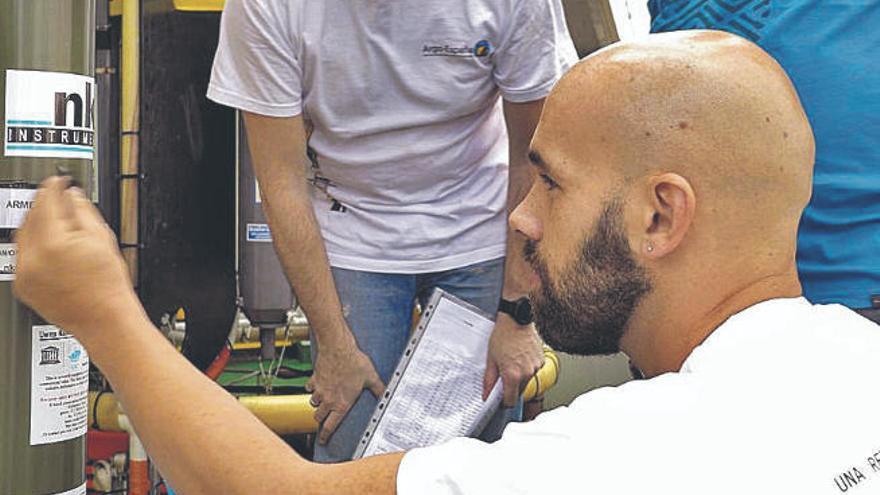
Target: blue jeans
378,308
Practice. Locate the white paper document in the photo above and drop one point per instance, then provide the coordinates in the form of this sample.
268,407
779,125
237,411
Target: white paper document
436,393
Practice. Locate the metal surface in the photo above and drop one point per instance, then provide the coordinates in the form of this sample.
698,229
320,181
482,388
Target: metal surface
48,35
265,293
187,194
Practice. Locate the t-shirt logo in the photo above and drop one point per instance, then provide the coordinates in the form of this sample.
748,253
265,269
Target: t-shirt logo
482,48
457,49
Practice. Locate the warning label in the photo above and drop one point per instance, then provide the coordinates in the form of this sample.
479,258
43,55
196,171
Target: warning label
80,490
14,205
258,232
59,386
7,262
49,114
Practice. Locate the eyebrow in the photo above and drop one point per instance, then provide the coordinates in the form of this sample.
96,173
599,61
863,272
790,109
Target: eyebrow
536,159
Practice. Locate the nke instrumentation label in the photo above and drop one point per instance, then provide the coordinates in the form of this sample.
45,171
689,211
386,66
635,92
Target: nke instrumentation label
49,114
59,386
7,262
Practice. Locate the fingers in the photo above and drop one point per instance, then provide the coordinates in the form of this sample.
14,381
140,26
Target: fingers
310,385
85,215
330,425
511,383
376,386
50,209
316,399
324,410
489,379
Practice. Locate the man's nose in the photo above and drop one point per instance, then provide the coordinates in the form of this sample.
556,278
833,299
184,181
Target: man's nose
523,220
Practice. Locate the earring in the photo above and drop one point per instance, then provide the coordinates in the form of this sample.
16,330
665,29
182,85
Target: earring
650,248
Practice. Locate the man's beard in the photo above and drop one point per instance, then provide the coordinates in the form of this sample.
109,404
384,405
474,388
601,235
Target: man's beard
587,312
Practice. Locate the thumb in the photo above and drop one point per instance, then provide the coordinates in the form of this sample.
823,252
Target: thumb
489,379
376,386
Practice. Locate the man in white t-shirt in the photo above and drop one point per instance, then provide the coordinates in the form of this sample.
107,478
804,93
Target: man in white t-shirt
673,171
412,115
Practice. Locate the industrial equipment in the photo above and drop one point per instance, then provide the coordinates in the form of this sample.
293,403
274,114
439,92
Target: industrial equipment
47,117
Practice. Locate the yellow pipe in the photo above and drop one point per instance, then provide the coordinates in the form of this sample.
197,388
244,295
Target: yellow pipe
283,414
199,5
249,346
545,378
129,138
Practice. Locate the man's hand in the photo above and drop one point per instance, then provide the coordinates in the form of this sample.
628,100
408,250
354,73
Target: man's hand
69,267
340,376
515,355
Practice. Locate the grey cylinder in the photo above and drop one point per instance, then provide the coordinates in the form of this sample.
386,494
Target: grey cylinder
265,293
46,47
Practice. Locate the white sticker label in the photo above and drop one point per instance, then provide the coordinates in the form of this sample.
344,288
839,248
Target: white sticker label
59,386
7,262
14,205
258,232
80,490
49,114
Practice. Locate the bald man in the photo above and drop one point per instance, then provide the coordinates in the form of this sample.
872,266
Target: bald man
673,172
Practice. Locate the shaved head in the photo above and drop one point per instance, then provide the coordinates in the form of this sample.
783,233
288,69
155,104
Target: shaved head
708,105
694,145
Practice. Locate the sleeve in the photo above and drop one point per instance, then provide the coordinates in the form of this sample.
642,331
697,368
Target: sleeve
535,51
256,67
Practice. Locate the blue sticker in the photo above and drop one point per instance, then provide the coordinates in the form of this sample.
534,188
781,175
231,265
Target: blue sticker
258,232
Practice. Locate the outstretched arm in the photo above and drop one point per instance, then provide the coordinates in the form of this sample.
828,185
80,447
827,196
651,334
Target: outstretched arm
200,437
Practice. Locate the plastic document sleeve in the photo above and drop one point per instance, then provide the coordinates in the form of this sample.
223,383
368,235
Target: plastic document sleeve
436,393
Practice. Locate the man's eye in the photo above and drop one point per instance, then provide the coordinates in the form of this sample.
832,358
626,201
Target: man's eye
551,184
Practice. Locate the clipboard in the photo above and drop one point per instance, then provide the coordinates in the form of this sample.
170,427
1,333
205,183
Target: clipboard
435,393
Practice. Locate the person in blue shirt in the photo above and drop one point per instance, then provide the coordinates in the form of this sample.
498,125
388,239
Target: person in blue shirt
831,50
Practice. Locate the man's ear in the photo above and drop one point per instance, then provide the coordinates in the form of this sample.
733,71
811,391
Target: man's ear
670,211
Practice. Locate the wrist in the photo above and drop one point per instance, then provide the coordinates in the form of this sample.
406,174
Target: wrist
519,310
109,331
338,341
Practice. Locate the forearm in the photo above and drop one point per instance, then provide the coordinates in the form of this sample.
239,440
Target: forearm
278,147
201,438
301,250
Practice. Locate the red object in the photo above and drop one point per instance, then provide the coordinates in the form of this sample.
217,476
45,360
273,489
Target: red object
138,477
101,445
213,372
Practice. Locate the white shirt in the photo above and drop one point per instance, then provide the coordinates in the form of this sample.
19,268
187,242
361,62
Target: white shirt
783,398
403,101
